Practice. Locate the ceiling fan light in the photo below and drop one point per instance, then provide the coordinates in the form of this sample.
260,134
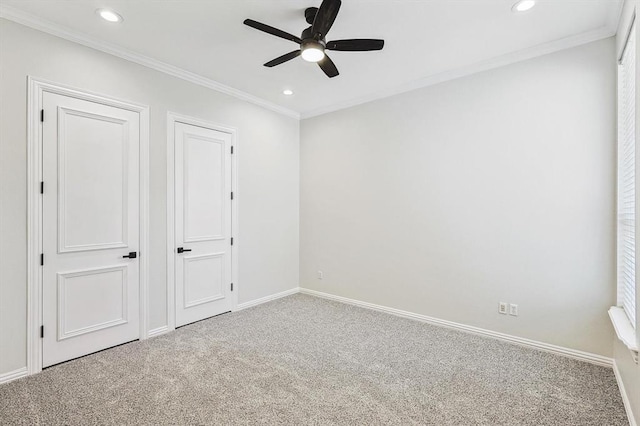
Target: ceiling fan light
312,52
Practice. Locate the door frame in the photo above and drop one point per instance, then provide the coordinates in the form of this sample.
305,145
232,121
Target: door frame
36,87
172,119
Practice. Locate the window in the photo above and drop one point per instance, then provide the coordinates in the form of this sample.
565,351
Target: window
626,178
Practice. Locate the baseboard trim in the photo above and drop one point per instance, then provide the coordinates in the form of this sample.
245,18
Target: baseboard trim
558,350
158,331
13,375
625,396
266,299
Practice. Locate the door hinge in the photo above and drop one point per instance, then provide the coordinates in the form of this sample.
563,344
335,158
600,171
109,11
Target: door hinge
231,240
231,286
232,195
232,149
42,187
41,259
42,331
42,115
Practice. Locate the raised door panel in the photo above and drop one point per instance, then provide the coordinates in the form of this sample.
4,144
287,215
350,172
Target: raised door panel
203,279
204,183
92,181
91,300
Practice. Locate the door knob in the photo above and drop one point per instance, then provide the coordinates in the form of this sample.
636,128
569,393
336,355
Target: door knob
182,249
131,255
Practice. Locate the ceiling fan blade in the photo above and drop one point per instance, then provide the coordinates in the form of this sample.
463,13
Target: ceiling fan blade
325,17
273,31
284,58
356,45
328,67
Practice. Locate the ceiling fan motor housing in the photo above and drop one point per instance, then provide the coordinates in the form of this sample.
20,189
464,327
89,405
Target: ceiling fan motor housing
307,35
313,44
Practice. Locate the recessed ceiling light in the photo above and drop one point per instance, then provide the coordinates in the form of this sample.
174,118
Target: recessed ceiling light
109,15
287,92
523,5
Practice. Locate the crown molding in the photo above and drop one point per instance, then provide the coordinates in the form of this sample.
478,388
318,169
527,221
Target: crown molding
29,20
499,61
613,20
37,23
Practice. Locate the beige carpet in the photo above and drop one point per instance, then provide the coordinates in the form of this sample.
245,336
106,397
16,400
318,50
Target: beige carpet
307,361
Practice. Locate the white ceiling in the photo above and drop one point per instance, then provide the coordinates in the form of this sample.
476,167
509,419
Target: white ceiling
425,40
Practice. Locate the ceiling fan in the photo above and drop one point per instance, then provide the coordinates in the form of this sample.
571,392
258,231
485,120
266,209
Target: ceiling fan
313,39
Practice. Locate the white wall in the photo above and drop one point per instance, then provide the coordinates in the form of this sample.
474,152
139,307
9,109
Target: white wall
268,147
630,371
494,187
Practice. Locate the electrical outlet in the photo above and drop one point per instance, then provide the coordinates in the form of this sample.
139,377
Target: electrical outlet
502,308
513,310
320,275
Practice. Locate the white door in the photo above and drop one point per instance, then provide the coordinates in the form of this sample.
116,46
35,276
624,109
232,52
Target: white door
90,168
202,223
